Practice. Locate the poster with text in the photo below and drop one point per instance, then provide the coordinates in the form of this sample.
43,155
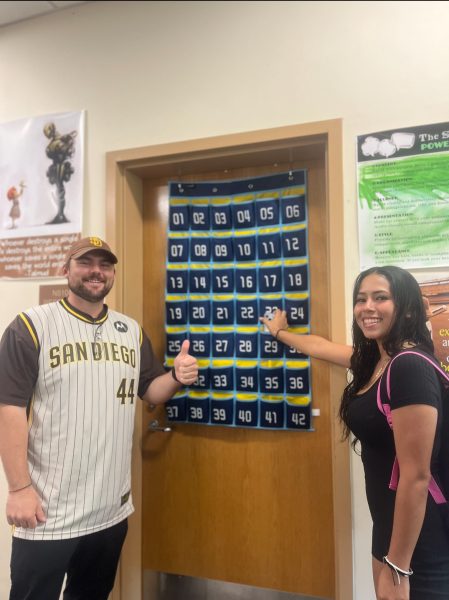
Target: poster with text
435,290
403,197
41,193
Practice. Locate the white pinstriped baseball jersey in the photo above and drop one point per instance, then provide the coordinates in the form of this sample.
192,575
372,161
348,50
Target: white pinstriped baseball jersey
82,419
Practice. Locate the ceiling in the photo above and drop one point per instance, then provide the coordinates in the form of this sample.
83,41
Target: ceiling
12,12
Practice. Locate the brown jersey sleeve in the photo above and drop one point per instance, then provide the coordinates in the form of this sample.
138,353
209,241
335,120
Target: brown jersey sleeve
150,366
19,354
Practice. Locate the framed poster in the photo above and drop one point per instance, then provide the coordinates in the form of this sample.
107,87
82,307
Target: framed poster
403,197
41,202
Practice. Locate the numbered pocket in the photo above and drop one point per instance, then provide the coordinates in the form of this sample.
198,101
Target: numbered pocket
174,342
178,218
199,311
296,278
297,310
223,311
200,344
269,246
246,280
176,407
221,217
294,243
268,304
243,215
297,377
267,212
200,249
271,377
246,410
177,281
203,380
269,347
246,376
199,218
223,281
178,250
222,344
222,249
247,312
245,248
246,345
199,281
293,209
176,312
298,413
222,375
270,279
222,409
198,407
272,412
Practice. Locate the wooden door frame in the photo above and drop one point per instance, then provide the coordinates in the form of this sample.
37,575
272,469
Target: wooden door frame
126,170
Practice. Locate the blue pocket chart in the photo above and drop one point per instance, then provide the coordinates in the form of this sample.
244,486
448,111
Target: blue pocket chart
237,250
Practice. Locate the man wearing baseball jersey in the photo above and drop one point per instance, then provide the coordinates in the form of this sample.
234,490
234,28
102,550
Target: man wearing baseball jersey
70,374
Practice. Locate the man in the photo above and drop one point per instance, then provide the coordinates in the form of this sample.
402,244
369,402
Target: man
70,372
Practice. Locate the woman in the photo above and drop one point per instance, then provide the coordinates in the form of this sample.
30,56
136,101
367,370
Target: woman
410,544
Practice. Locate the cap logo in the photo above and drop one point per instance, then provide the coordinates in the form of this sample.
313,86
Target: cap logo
96,242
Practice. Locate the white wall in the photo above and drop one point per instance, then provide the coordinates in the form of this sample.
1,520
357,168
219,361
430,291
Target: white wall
155,72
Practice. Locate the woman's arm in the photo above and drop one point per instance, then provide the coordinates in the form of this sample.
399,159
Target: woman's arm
312,345
414,429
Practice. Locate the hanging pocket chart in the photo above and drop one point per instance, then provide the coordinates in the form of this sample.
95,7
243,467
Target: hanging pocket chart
237,250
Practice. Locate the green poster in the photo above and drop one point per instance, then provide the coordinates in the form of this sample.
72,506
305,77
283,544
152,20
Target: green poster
403,197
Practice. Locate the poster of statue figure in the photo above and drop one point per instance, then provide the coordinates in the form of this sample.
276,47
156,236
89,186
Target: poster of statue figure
41,193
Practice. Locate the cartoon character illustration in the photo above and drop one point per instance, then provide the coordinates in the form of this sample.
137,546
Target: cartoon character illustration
399,140
13,195
59,150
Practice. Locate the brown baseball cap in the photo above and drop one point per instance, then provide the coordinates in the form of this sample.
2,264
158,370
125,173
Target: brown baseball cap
89,244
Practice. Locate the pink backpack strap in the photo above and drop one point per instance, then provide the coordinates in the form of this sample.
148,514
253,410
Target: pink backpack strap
385,409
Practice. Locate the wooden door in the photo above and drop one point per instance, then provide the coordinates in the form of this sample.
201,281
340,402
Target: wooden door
247,506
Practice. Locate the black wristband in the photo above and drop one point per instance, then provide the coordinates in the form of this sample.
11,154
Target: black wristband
278,331
173,374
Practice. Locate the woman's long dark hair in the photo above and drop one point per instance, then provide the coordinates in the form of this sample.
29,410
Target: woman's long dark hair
409,325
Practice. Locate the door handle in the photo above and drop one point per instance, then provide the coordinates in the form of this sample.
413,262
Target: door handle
154,426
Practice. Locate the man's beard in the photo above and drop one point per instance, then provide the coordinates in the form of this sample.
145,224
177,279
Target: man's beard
88,295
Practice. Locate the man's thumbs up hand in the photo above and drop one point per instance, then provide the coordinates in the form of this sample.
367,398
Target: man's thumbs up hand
185,366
